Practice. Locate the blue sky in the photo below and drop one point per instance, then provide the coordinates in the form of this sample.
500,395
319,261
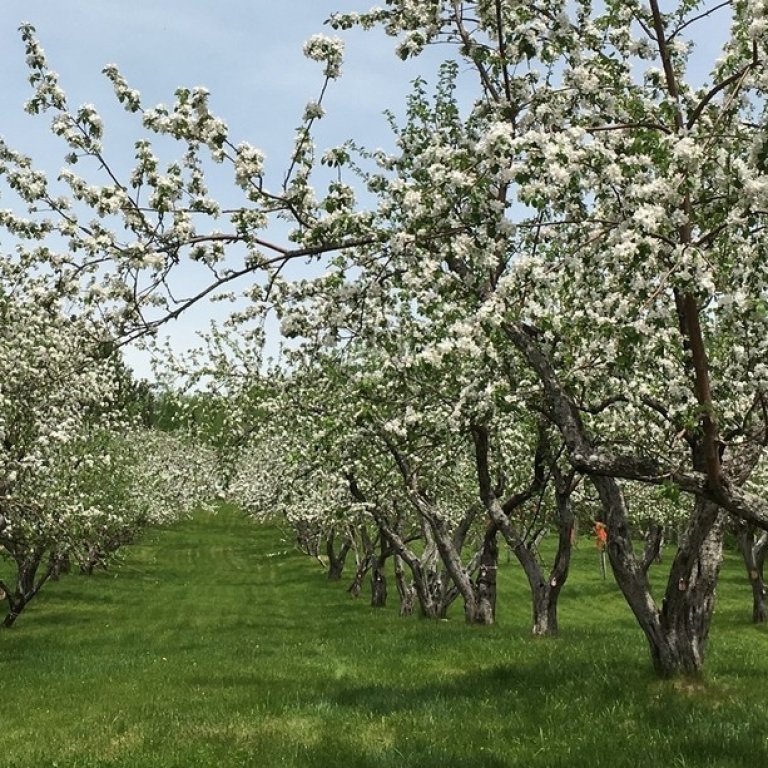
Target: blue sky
246,52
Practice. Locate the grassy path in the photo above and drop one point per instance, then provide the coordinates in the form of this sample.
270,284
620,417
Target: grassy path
210,645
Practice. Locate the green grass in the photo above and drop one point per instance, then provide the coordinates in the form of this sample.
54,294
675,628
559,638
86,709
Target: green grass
211,645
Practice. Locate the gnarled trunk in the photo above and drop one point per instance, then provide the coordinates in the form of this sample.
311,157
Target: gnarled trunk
307,538
654,544
689,601
425,585
524,540
758,601
677,634
450,554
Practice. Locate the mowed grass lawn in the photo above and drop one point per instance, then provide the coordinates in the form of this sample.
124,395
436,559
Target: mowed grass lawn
214,644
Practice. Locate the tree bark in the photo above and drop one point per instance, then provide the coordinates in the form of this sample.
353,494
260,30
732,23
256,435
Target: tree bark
364,562
544,593
405,590
379,576
11,616
753,551
336,561
307,539
485,583
677,634
26,587
356,585
654,542
378,586
451,558
689,600
425,581
545,590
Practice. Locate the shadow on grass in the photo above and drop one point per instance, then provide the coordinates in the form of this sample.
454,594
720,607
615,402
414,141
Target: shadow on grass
529,684
633,712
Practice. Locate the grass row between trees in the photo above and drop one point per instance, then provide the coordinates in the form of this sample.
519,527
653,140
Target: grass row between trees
214,643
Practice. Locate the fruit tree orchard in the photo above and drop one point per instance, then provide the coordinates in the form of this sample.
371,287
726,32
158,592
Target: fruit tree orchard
584,244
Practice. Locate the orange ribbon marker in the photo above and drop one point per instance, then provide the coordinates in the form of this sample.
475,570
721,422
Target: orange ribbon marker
601,534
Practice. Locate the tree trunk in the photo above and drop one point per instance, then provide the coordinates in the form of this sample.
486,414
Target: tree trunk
336,561
654,542
378,586
753,553
307,539
450,555
94,558
761,548
524,543
356,585
485,583
546,588
363,564
677,634
424,586
60,563
335,569
545,622
689,600
26,588
379,576
425,579
15,602
11,616
758,601
544,592
405,591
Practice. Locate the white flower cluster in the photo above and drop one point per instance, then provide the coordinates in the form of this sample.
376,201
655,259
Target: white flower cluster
190,119
128,97
326,50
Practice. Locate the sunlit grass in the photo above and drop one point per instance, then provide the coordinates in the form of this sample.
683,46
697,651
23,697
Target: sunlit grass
213,645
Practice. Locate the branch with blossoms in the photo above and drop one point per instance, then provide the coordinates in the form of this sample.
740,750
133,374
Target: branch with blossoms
124,258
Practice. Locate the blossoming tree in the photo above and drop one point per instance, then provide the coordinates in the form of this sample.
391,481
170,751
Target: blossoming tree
601,217
78,476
